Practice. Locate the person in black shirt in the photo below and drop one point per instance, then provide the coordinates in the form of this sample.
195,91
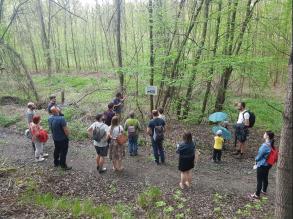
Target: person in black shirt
109,114
157,144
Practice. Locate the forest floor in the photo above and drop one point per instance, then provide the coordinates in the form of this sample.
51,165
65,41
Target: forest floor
142,190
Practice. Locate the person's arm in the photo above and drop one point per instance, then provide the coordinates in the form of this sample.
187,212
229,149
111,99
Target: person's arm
90,131
260,154
65,128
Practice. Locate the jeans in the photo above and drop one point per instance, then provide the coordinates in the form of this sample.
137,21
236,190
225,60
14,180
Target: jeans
132,144
262,174
60,152
217,155
158,151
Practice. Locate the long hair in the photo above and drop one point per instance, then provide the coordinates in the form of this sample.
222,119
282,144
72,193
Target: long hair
114,122
187,137
271,136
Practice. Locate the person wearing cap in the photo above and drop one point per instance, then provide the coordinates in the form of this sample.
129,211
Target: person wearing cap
29,115
60,134
218,146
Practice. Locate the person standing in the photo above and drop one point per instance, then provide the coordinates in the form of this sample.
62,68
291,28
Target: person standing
116,151
60,133
241,128
119,104
98,132
109,114
132,126
29,114
156,129
35,129
186,151
262,166
218,146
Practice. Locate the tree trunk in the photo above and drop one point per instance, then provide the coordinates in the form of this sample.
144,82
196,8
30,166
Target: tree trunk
186,106
284,172
45,37
118,43
151,52
211,71
65,37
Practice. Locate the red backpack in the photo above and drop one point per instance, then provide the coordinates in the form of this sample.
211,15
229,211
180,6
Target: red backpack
273,156
43,136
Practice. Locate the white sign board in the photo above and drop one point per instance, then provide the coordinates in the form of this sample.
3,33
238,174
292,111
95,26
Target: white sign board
151,90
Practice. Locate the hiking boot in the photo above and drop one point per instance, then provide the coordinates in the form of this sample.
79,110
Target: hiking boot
103,170
66,168
40,159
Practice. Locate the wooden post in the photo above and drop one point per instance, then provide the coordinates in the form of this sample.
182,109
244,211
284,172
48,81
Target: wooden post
62,97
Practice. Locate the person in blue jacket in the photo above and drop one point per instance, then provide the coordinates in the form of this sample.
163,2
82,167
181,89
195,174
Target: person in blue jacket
262,167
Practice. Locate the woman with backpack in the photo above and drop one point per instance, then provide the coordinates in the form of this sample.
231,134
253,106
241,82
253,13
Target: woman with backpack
116,147
263,165
39,137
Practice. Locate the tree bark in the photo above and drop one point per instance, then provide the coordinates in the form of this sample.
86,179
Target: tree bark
151,52
118,43
284,191
45,37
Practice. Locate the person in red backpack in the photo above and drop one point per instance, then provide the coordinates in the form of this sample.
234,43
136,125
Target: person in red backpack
262,165
36,129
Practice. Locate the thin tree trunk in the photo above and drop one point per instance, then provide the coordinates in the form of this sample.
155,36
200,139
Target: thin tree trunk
211,71
45,37
151,52
118,43
65,37
186,106
73,44
284,191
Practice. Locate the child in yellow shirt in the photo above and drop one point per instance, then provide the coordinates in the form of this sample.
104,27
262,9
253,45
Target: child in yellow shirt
218,146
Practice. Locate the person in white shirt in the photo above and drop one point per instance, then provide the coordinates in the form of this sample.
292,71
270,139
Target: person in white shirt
241,128
102,145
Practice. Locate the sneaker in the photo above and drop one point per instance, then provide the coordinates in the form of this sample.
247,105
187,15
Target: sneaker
45,155
40,159
264,193
254,196
103,170
66,168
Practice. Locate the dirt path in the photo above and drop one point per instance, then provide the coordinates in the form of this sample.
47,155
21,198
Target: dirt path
234,178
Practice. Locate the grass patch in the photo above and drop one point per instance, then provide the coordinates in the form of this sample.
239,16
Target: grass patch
6,121
78,130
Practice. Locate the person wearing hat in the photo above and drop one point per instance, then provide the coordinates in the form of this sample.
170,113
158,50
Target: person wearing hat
218,146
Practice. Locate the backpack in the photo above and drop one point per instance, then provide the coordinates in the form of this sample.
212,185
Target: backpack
99,133
273,157
131,131
158,133
252,118
43,136
121,138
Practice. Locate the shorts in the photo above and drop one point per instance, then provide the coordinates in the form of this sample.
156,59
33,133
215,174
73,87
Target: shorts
241,133
102,151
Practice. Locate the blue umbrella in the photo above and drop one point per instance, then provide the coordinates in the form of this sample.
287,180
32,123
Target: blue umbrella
225,132
218,117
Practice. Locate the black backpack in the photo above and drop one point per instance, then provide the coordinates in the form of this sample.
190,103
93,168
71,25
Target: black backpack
252,118
99,133
158,133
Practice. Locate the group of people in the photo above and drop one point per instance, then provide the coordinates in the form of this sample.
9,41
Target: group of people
109,138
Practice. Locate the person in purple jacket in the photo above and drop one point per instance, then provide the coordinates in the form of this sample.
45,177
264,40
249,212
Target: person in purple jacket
261,164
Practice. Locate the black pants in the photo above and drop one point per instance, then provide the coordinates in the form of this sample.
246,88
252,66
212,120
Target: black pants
217,155
34,147
60,152
262,174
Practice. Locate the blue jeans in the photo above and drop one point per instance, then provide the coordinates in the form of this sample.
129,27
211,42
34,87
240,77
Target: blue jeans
132,144
158,151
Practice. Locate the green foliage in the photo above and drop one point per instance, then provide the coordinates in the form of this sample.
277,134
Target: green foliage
248,208
124,211
6,121
149,197
78,130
